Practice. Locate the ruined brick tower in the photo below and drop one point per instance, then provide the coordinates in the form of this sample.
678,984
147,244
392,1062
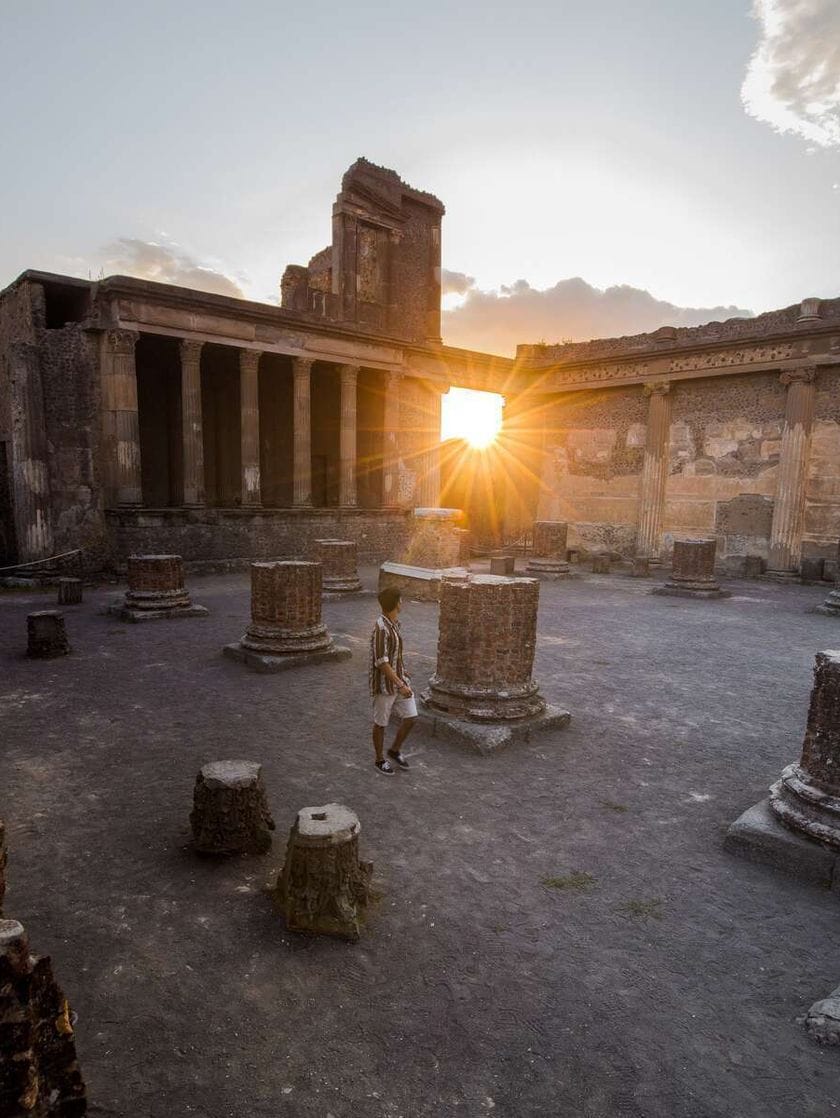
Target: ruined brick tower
383,269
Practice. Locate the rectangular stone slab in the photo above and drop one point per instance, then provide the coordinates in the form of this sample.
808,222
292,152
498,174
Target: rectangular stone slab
759,836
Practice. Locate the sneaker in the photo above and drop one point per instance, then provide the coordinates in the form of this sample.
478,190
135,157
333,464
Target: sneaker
385,767
399,759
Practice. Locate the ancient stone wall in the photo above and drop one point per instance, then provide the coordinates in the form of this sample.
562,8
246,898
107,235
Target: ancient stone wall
822,494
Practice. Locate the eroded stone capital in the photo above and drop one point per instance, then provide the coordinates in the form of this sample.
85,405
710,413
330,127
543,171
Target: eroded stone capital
302,366
191,349
121,341
657,388
798,376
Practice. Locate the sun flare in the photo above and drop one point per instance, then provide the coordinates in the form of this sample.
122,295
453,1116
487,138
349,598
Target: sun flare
474,416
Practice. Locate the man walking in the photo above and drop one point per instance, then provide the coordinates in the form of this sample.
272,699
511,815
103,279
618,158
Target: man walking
390,686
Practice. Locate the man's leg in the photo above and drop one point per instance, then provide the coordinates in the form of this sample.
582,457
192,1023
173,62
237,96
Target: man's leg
378,740
406,726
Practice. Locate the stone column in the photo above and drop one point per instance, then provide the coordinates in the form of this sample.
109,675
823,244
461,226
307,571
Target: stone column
654,470
549,555
428,489
693,571
192,436
31,480
390,440
121,425
249,408
339,565
789,506
230,812
156,590
302,420
347,483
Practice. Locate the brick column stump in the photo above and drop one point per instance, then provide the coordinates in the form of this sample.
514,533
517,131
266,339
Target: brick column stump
504,565
831,605
549,555
600,564
339,566
46,635
156,590
286,630
482,693
69,591
324,889
230,812
693,571
39,1072
798,828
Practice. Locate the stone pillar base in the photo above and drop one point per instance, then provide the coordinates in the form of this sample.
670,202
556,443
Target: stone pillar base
47,636
759,836
277,640
803,807
280,662
486,738
691,590
230,809
831,606
476,704
155,607
549,568
788,577
640,567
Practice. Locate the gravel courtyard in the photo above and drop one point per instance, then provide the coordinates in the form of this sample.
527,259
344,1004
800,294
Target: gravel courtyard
495,976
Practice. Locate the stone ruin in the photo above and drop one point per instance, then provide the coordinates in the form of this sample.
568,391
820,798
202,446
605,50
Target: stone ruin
502,565
482,692
39,1072
339,566
286,629
46,635
601,564
230,812
693,571
324,889
831,605
549,554
435,549
156,590
70,591
798,828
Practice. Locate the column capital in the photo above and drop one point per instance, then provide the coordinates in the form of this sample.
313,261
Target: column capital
302,366
191,349
121,341
797,376
349,372
249,359
657,388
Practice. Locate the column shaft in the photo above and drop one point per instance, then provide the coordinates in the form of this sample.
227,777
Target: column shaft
789,506
390,440
249,407
121,425
654,470
429,487
347,481
30,474
192,436
302,419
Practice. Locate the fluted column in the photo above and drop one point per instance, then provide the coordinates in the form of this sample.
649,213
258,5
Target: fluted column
429,483
654,470
347,442
789,505
249,408
192,436
302,419
390,440
121,424
30,474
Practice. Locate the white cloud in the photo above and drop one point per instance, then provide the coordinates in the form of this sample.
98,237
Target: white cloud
455,283
793,78
571,310
165,264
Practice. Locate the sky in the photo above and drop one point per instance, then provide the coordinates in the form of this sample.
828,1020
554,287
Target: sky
606,167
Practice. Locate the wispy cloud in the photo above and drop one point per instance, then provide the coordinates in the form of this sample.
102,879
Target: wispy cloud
793,79
571,310
165,263
455,283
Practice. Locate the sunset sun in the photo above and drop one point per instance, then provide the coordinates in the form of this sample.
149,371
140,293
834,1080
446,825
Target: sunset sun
474,416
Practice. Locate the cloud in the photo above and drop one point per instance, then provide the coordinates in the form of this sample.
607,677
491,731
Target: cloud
455,283
571,310
793,78
165,264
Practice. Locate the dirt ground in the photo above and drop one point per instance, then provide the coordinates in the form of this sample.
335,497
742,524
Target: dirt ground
494,977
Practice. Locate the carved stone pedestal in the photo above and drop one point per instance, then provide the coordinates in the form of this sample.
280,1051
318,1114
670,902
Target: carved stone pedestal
324,889
339,566
831,605
549,554
600,564
482,692
693,571
286,628
69,591
39,1073
230,812
156,590
798,828
47,636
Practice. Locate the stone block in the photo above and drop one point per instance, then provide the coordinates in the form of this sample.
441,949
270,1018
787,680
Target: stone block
47,635
759,836
811,570
753,566
339,566
502,564
693,571
421,584
640,567
230,809
486,738
822,1021
69,591
600,564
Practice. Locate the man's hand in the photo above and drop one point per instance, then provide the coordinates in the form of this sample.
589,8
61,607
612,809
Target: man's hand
405,690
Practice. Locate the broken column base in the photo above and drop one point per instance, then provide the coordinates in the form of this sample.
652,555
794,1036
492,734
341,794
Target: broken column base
549,568
279,662
691,590
787,578
759,836
831,606
419,583
125,612
342,588
486,737
822,1021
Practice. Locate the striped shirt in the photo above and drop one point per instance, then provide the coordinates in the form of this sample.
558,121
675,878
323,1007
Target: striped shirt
386,647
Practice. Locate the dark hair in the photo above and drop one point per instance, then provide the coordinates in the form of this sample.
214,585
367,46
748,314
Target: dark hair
389,598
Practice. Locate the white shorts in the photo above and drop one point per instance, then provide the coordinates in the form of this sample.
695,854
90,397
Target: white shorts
384,704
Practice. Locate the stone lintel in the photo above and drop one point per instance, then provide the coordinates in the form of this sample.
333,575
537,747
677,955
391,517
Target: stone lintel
262,662
486,738
758,836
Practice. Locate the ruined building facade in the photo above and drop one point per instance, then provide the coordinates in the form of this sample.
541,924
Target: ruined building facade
138,416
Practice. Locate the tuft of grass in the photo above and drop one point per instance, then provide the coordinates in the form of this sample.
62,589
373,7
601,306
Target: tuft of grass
643,910
611,805
578,879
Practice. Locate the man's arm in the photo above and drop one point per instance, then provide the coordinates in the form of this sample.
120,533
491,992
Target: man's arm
400,684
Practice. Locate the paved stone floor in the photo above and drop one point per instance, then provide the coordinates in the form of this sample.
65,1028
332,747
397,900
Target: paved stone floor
668,986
